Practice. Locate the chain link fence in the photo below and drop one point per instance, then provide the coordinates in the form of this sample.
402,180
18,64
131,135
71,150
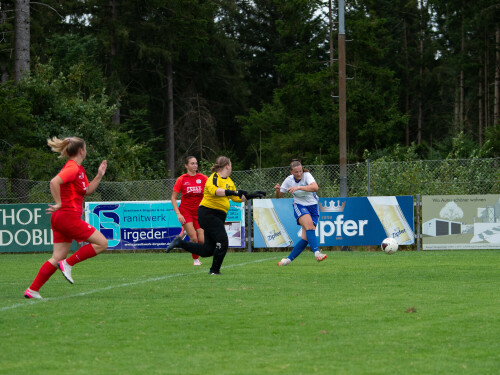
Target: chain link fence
424,177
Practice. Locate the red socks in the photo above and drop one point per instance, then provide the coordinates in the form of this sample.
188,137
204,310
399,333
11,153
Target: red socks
195,256
85,252
43,275
47,269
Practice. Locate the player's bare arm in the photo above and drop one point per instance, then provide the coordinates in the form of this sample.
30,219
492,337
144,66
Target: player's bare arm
312,187
277,191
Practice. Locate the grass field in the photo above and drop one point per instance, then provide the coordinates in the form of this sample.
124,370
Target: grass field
355,313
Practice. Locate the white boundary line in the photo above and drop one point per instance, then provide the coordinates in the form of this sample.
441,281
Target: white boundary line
152,279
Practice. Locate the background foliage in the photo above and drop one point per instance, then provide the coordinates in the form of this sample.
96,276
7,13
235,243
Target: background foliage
252,80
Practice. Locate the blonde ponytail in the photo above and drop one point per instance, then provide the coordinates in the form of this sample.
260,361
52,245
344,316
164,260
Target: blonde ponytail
67,147
220,163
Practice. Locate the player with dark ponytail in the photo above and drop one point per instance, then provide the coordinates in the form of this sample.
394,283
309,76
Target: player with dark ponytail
191,185
212,212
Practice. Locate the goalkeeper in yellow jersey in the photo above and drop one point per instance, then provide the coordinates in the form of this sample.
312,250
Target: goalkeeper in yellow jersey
212,212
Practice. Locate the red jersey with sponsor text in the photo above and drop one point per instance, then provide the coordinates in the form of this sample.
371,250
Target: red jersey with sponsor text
191,188
74,187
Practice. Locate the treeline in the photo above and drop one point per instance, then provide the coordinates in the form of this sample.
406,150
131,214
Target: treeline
147,83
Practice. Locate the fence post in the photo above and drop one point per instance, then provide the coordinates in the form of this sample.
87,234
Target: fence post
249,225
368,175
418,221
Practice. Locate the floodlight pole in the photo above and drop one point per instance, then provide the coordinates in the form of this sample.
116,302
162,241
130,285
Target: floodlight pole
342,103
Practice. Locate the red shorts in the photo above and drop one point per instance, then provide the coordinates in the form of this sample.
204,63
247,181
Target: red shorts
68,226
190,215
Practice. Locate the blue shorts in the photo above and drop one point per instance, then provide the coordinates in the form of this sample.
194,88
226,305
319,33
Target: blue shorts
312,210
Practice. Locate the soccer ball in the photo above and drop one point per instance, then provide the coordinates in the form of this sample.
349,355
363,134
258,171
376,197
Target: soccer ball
389,245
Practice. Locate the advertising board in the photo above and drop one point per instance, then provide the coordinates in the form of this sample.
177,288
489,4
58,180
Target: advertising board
452,222
151,224
343,221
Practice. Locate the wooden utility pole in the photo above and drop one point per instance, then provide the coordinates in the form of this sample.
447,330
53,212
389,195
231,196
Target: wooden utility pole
170,123
342,103
330,38
113,51
496,103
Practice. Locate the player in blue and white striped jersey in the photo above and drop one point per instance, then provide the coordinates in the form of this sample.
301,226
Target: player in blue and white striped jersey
303,186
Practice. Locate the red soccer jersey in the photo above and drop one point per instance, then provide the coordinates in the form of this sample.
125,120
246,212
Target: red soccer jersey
191,188
74,187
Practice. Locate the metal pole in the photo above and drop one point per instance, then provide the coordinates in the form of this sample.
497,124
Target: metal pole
368,172
249,225
342,103
342,108
418,221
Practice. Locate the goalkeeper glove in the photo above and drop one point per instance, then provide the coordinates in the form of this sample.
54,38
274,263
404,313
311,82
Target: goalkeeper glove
241,193
237,193
255,194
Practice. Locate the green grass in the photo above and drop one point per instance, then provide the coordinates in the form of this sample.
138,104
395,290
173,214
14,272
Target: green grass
355,313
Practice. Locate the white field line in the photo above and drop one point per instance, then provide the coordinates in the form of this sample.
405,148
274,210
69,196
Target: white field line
124,285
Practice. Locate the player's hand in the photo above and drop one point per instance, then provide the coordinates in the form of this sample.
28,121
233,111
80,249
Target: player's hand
293,189
242,193
181,219
277,191
102,168
52,208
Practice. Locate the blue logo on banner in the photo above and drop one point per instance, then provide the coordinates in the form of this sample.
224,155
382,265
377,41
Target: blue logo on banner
109,222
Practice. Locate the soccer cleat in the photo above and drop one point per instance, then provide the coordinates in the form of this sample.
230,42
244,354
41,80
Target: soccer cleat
215,273
321,257
66,270
32,294
284,262
183,234
175,243
197,262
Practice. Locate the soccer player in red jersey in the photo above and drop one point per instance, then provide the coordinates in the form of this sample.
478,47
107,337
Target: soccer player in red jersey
190,185
68,188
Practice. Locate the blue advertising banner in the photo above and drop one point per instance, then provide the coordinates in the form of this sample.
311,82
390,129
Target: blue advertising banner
150,225
355,221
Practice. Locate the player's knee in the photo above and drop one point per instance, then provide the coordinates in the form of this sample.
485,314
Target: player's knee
221,247
56,258
101,246
224,244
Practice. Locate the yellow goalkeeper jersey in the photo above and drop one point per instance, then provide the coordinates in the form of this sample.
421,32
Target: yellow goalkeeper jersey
210,200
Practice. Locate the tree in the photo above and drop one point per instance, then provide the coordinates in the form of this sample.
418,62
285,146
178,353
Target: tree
169,52
248,78
466,39
6,29
22,37
302,88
